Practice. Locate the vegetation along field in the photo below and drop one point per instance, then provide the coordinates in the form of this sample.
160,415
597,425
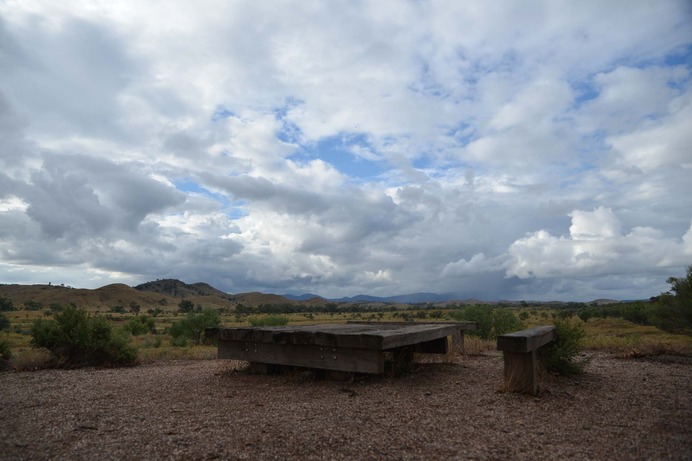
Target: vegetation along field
166,319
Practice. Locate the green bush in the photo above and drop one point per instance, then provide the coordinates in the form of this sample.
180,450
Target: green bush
152,341
490,322
268,321
186,305
179,341
192,327
118,309
76,339
6,304
32,305
674,312
4,322
139,325
5,351
505,321
5,354
561,356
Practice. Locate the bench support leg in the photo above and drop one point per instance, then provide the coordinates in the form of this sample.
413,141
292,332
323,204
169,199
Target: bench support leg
521,372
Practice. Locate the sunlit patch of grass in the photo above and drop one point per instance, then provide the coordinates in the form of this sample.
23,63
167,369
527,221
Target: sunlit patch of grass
626,339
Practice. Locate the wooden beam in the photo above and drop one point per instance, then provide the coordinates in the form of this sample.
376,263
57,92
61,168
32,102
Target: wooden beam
519,355
521,372
308,356
526,340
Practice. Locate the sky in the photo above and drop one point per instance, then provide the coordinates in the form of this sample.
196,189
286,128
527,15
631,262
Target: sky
523,150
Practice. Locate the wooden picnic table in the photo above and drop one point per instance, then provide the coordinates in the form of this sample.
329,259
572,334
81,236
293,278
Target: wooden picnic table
351,347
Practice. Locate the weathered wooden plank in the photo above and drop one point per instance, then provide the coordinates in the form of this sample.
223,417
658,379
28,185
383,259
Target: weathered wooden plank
376,335
526,340
309,356
414,335
521,372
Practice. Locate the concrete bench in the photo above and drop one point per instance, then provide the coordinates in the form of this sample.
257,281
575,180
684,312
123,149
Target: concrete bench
519,352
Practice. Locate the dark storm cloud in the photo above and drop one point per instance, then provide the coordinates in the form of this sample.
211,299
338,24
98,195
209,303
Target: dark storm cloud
85,196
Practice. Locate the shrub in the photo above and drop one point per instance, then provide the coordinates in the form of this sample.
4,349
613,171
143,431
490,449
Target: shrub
139,325
268,321
193,325
505,321
4,322
6,304
490,322
674,313
560,356
179,341
5,354
483,317
75,339
186,305
32,305
135,308
152,341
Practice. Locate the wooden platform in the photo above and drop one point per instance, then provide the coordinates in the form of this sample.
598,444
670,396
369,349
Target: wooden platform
350,347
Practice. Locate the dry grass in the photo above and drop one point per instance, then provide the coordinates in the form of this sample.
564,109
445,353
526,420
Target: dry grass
30,360
473,345
626,339
164,353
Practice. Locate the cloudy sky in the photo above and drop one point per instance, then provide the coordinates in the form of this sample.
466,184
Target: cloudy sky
500,150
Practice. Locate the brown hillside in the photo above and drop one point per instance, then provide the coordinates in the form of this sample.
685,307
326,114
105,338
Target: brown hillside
101,299
255,298
161,294
177,289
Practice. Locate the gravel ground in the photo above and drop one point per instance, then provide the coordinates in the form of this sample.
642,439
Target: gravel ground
213,409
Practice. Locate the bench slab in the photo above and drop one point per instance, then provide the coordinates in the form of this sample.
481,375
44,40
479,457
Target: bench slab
352,347
526,340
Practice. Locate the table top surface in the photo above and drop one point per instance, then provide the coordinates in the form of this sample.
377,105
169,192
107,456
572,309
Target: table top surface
369,335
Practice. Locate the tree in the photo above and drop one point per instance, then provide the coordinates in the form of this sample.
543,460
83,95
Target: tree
32,305
193,325
675,306
134,307
139,325
4,322
186,305
6,304
75,339
490,322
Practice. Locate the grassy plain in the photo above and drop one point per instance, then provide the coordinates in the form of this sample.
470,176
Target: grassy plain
614,335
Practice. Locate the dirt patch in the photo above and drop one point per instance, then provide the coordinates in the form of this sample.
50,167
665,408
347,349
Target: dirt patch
212,409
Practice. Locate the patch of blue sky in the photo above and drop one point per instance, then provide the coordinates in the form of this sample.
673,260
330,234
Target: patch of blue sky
341,153
586,90
233,209
221,113
681,56
463,133
281,111
289,132
237,211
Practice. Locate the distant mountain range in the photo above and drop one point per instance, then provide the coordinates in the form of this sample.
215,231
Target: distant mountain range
413,298
166,294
